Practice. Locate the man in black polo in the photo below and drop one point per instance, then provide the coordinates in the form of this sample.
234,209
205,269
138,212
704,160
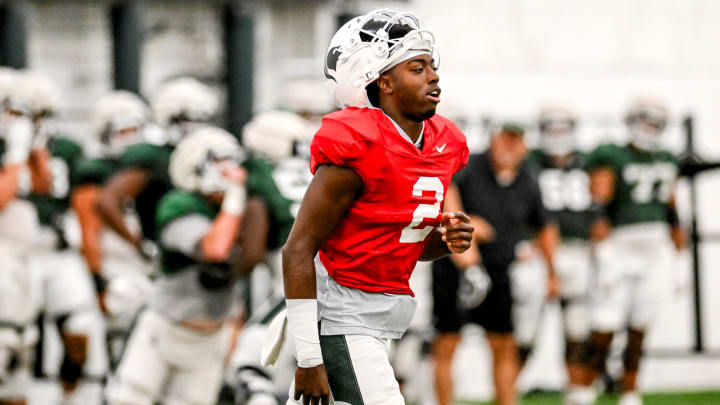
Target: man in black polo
504,202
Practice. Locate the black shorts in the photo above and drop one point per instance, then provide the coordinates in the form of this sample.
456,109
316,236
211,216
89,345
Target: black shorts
494,314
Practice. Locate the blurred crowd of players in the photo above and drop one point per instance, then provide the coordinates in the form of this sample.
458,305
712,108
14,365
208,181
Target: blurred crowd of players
125,258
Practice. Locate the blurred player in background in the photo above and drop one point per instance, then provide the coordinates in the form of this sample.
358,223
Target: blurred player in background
207,232
565,188
180,105
72,340
381,167
504,203
22,172
282,138
119,272
633,186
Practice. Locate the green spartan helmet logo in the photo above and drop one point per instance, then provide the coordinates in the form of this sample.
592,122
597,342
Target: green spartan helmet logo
331,62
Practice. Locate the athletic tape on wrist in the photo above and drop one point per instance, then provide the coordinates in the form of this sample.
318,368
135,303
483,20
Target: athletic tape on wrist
234,200
302,325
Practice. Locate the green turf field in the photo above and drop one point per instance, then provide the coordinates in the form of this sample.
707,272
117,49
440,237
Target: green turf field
685,398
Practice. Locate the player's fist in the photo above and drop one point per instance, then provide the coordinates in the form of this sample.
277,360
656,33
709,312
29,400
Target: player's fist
457,231
311,386
234,174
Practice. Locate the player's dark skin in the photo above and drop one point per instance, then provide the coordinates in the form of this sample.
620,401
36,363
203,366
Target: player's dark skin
404,97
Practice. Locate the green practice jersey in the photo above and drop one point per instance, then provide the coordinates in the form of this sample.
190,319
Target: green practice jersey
155,160
95,171
261,184
174,205
565,193
644,182
64,156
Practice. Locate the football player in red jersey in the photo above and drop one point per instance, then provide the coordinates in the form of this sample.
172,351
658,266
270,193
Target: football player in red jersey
381,167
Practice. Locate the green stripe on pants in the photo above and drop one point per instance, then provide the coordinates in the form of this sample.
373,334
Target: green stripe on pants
341,374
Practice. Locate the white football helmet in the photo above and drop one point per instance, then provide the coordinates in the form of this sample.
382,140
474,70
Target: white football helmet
199,159
182,105
34,94
277,135
118,120
557,131
646,120
369,45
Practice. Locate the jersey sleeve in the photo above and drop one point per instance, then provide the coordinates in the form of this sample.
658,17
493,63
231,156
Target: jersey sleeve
335,144
177,204
602,156
91,171
146,156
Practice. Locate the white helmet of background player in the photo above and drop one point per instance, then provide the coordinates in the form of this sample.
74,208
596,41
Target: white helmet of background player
369,45
277,135
556,126
646,120
182,105
35,95
198,161
118,121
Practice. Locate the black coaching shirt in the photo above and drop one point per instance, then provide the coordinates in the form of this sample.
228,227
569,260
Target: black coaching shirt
514,210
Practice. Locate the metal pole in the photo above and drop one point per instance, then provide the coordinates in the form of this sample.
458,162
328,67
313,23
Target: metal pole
126,25
240,55
695,238
13,35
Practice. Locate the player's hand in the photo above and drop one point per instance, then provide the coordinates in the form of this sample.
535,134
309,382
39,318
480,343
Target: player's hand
457,231
484,232
553,286
679,237
311,384
235,174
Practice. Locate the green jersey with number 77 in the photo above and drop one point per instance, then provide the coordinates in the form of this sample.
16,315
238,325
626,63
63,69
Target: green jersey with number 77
644,182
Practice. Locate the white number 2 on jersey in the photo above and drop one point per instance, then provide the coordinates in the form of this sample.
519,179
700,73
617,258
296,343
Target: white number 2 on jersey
410,234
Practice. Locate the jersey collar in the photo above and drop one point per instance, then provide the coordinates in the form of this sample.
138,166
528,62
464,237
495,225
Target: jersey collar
403,134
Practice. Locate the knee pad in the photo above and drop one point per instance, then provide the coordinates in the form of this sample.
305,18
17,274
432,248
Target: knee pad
575,352
631,357
71,370
596,354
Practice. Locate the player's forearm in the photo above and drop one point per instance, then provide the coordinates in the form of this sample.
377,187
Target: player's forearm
435,248
218,242
547,240
40,174
253,236
8,184
298,263
83,202
112,212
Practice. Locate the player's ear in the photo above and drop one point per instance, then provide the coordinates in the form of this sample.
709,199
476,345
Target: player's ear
384,83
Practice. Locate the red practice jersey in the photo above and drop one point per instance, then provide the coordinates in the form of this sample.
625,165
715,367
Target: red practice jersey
379,240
